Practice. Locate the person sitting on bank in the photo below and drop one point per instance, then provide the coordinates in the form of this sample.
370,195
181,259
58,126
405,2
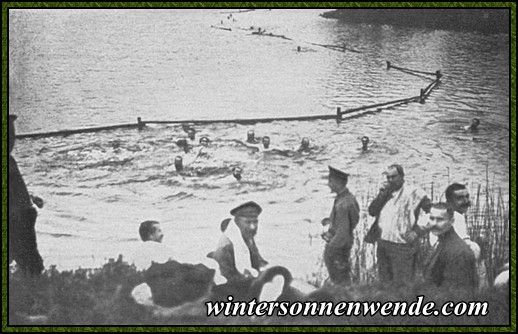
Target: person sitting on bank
241,263
23,248
237,252
152,249
170,287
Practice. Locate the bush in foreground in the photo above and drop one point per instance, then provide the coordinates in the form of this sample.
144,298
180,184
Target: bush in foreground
102,297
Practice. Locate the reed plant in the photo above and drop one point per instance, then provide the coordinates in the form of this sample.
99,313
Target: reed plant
488,226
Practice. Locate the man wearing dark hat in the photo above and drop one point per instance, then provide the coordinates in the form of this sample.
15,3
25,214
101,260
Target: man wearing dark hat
237,252
344,218
22,217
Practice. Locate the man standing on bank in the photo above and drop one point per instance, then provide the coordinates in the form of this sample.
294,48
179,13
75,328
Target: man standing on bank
452,265
397,208
344,218
22,216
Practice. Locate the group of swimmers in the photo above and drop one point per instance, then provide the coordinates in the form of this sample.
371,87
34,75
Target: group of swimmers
264,144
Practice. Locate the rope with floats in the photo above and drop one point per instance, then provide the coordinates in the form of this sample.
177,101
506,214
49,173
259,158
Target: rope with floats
339,116
437,73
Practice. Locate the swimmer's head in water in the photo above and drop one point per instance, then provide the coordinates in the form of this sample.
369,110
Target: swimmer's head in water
250,136
266,141
305,143
191,133
365,142
475,123
204,141
178,163
236,172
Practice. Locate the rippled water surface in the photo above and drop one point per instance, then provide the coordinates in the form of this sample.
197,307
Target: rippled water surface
79,68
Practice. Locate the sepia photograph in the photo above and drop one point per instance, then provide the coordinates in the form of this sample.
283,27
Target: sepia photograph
257,166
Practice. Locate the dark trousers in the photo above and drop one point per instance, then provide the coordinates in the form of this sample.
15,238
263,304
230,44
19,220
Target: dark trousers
396,262
22,241
338,264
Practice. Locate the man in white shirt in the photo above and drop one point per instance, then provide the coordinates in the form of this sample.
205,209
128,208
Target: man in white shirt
458,197
397,208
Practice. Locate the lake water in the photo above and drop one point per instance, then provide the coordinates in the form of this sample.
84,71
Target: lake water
79,68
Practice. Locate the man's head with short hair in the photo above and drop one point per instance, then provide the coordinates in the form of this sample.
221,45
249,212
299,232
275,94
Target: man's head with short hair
204,141
250,136
458,197
191,133
441,218
266,141
236,172
305,143
365,142
178,163
395,176
150,231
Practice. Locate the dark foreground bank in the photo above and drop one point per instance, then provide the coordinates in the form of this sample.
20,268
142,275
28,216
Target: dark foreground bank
475,19
102,297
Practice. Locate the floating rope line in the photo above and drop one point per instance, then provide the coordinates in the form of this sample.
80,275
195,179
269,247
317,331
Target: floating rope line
341,48
221,28
77,131
437,74
339,116
254,32
424,93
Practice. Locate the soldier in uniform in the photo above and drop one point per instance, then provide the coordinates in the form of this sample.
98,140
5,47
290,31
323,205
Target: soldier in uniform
237,252
344,218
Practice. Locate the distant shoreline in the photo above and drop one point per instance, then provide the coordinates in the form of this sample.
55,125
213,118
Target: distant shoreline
494,20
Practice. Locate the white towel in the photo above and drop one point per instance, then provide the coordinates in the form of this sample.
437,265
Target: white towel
241,251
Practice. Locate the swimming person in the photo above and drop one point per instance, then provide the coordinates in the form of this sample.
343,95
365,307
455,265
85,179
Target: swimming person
365,143
250,137
473,127
204,141
191,133
178,163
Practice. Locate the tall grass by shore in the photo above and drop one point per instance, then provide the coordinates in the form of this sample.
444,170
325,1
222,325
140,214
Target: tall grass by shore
487,221
102,296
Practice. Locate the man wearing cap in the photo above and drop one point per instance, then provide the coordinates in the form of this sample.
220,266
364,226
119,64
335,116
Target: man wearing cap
344,218
237,253
22,216
397,209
